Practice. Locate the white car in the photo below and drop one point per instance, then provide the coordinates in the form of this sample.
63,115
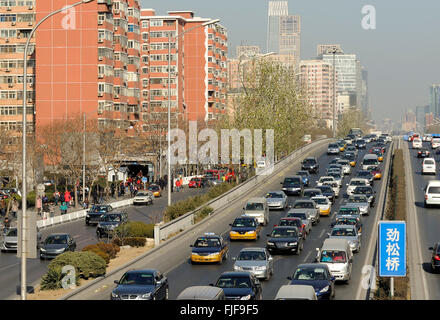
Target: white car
428,166
435,143
346,168
356,182
143,197
417,143
323,179
432,193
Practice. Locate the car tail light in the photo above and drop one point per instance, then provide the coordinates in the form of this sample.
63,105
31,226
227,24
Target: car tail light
437,257
426,197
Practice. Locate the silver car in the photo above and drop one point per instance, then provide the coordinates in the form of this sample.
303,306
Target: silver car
307,206
9,240
143,197
305,218
276,200
337,176
349,233
257,261
360,201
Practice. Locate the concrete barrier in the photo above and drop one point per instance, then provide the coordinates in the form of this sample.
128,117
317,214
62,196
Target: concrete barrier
164,230
76,215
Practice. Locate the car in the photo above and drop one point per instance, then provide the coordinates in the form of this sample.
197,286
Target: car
239,285
435,257
337,255
109,222
348,232
346,167
296,292
335,187
213,181
305,205
258,208
417,143
257,261
345,210
311,192
360,201
310,164
432,193
335,166
296,222
56,244
370,160
332,148
334,160
276,200
368,191
338,176
209,248
305,218
348,220
360,144
292,185
348,141
286,239
197,182
143,197
155,189
367,175
423,153
244,228
203,293
145,284
9,239
341,144
316,275
327,191
351,149
95,212
381,145
378,152
428,166
350,157
305,177
356,182
323,179
435,143
376,172
324,205
367,138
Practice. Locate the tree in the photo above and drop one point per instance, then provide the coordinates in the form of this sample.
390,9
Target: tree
352,118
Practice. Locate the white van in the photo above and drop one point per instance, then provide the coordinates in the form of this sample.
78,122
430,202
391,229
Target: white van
428,166
435,143
370,161
336,253
432,193
417,143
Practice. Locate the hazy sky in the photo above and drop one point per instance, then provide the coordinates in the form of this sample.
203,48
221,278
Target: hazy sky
401,55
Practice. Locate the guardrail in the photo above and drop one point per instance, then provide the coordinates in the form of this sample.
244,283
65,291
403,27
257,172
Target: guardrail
76,215
164,230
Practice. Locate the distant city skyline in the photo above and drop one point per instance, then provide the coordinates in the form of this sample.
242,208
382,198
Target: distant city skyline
400,55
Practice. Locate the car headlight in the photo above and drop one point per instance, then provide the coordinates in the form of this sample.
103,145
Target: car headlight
246,297
146,296
42,250
251,232
261,268
214,254
270,243
114,295
233,232
60,250
292,243
88,216
237,267
325,289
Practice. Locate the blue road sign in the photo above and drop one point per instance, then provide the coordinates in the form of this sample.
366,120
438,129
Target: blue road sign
392,249
144,180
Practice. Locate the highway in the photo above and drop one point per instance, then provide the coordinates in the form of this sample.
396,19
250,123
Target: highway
83,235
426,226
181,274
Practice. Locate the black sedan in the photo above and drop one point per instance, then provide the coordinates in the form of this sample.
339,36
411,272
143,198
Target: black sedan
360,144
285,239
316,275
310,164
435,259
56,244
141,285
423,153
368,191
366,174
109,222
95,212
239,286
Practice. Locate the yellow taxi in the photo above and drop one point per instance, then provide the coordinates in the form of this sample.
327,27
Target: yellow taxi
209,248
245,228
155,189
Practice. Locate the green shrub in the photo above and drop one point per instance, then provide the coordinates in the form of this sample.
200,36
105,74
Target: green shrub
94,248
135,229
130,241
202,214
52,279
87,264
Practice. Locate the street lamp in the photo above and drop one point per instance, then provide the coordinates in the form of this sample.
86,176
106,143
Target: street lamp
334,50
169,97
24,198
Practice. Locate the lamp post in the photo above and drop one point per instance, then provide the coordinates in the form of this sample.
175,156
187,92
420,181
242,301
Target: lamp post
24,177
169,97
334,50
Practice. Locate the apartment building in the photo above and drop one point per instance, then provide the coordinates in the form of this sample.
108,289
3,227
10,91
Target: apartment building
17,18
198,78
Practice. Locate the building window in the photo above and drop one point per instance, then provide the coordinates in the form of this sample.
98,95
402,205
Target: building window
156,23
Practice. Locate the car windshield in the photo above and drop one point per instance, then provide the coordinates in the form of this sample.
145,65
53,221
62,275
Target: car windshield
348,211
303,173
207,243
309,161
137,279
274,195
326,179
363,190
361,141
302,216
283,233
11,232
241,222
310,274
326,188
302,205
153,188
58,239
292,180
111,218
142,194
254,206
369,161
309,194
343,232
346,221
364,174
252,255
332,145
357,199
335,175
234,282
429,162
289,222
333,256
320,200
357,182
98,209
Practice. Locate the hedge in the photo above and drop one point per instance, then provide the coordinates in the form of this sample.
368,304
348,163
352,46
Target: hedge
135,229
130,241
107,251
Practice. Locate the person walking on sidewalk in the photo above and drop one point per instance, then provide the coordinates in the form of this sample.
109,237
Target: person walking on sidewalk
39,205
14,208
56,197
63,208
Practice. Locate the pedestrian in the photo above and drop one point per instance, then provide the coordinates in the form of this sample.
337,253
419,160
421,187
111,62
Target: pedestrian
39,205
2,208
63,208
7,223
67,197
14,208
56,197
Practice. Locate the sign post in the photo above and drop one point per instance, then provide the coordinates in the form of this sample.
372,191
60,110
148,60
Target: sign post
392,250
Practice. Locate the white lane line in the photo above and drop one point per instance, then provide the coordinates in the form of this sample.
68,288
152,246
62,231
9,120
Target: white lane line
307,257
322,233
9,266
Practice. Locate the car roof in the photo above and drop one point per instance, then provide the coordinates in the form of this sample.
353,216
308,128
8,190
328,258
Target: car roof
153,271
312,265
253,249
257,199
343,226
236,274
199,293
295,291
335,244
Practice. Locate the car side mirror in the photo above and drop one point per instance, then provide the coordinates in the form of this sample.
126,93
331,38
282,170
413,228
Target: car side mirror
289,278
116,281
191,246
230,224
328,234
211,284
431,248
267,235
